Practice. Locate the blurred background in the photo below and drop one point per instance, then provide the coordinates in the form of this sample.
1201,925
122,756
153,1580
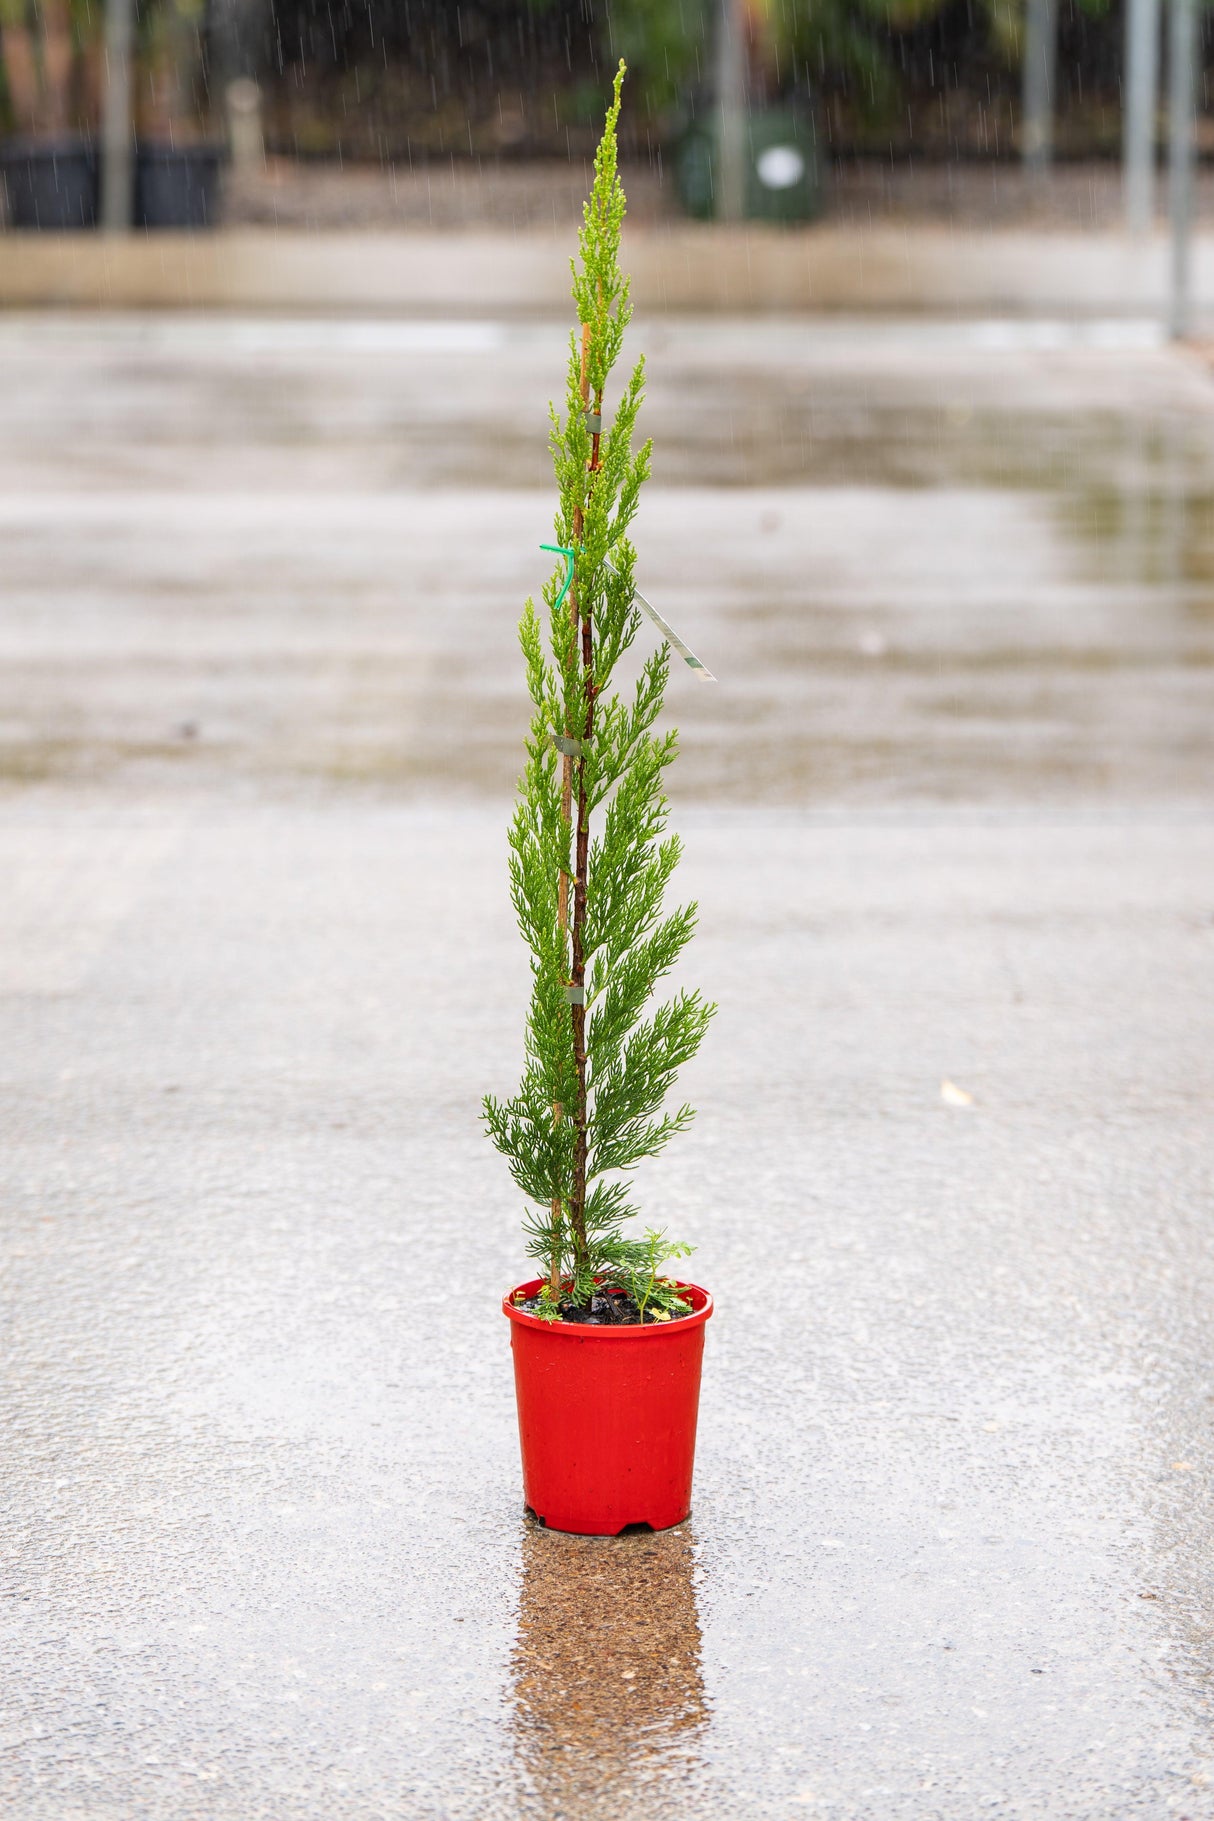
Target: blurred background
180,113
923,289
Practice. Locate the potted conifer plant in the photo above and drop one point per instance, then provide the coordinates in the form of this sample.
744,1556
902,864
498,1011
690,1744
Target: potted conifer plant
606,1345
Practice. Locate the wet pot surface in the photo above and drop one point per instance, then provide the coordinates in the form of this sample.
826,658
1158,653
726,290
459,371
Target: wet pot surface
607,1418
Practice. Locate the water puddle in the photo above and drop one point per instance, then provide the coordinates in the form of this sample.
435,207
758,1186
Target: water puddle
607,1684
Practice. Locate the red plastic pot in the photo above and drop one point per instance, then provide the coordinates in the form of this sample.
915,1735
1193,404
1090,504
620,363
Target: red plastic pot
607,1417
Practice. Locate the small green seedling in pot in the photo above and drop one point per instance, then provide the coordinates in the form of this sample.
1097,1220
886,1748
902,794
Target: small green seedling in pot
648,1290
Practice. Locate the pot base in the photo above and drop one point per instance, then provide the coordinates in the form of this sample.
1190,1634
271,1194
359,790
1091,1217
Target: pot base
641,1529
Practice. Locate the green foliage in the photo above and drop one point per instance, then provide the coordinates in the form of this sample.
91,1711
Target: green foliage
648,1290
600,1057
669,42
548,1304
852,42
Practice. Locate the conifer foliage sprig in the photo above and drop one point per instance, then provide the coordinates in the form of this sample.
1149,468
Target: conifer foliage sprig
590,854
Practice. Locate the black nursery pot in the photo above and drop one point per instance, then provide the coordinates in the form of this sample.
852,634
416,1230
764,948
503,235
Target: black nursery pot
177,186
51,183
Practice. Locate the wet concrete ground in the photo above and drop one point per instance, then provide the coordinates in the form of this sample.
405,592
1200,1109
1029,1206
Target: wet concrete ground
948,815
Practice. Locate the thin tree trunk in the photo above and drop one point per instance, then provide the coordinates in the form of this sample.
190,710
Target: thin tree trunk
577,1211
58,56
117,139
1039,84
1140,112
21,69
562,908
1182,86
732,98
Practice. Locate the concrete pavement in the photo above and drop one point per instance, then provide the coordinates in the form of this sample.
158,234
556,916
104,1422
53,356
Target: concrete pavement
947,815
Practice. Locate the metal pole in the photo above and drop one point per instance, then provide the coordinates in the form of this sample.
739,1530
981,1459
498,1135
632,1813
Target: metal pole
117,161
1038,78
1138,119
731,112
1182,92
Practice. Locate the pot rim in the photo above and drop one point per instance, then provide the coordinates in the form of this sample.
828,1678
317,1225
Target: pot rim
583,1331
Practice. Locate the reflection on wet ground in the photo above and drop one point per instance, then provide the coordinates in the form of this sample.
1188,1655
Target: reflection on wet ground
608,1691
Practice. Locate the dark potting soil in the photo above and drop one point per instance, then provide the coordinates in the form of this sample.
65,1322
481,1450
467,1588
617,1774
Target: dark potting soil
606,1309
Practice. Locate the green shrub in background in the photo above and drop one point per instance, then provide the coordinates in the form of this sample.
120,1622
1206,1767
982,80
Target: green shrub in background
853,44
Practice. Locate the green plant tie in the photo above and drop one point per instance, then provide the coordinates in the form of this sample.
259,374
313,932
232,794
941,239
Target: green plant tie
569,556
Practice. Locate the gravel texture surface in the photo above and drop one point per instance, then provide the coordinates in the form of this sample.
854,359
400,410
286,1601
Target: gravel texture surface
948,816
